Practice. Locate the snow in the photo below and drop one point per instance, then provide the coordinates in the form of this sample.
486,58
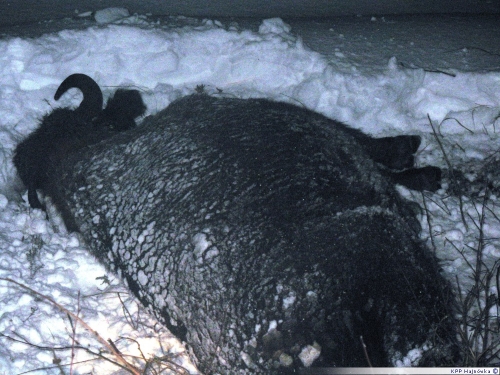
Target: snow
109,15
166,60
309,354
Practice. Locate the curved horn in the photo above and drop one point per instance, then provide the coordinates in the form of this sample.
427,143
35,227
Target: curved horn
91,104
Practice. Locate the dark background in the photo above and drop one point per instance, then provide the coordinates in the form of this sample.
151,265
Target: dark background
30,11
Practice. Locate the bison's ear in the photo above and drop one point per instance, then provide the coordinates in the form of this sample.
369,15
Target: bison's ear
122,109
126,103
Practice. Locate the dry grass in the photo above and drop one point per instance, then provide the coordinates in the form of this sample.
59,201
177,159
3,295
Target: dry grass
472,232
108,350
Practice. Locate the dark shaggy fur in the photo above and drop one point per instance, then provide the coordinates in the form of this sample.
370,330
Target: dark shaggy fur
255,229
67,130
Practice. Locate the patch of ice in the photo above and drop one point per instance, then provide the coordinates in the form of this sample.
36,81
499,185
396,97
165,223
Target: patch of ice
110,15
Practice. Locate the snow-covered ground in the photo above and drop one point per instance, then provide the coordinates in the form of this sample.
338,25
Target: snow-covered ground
168,59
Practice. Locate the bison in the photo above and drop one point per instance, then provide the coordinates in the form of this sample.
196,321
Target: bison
266,236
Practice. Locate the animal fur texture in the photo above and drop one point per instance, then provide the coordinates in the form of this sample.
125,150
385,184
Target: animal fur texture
259,232
67,130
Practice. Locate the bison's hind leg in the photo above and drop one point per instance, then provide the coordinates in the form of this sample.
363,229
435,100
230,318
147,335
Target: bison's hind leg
394,152
426,178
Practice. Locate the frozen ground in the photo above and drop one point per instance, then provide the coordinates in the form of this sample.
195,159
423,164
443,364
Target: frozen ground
377,75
